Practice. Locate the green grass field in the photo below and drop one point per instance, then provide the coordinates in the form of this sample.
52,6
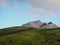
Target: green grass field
29,36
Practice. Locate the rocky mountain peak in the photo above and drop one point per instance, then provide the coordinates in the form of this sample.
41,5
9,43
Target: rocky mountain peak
50,23
39,24
33,24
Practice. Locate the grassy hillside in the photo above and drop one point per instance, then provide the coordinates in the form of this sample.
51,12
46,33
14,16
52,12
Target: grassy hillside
29,36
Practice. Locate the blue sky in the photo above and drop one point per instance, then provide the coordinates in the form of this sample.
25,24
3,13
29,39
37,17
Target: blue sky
16,13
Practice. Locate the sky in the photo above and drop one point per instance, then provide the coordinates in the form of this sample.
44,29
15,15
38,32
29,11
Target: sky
18,12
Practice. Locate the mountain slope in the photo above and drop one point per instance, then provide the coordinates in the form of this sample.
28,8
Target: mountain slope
31,36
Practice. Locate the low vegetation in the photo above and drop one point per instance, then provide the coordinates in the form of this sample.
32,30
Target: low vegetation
29,36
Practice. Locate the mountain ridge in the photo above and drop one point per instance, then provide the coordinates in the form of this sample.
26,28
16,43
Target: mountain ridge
39,24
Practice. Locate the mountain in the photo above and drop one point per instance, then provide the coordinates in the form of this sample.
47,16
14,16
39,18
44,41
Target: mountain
52,25
39,24
22,35
49,25
29,36
33,24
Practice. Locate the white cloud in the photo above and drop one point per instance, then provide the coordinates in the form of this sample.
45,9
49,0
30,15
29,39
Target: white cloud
42,8
37,8
4,4
45,4
9,4
41,13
